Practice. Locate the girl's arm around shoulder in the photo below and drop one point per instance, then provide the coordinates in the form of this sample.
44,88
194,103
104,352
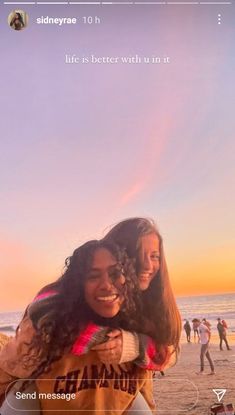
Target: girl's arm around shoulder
121,346
143,350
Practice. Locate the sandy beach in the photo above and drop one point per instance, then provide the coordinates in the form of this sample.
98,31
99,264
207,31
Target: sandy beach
181,390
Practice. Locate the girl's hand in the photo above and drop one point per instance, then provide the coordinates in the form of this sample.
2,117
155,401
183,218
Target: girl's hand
110,351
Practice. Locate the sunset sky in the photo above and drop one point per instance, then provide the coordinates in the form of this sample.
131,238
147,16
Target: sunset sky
84,146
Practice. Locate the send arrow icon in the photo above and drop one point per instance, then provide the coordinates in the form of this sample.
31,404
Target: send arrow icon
219,393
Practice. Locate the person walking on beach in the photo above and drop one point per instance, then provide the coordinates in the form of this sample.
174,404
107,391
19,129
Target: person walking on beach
195,322
222,334
205,334
187,329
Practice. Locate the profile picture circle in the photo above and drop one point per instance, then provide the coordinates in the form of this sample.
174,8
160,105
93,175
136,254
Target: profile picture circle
18,19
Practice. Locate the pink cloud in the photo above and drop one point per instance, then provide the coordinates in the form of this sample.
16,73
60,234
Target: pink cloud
158,135
133,191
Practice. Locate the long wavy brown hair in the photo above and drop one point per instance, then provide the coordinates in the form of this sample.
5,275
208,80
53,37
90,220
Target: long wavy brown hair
159,305
59,319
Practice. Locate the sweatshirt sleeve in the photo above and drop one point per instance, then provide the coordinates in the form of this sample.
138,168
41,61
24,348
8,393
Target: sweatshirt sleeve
17,359
130,346
151,358
141,349
15,354
136,347
89,337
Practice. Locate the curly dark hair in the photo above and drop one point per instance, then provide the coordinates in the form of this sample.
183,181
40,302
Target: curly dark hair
159,304
59,320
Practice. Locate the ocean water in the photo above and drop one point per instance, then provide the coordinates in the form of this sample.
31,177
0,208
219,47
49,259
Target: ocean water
210,307
205,306
9,322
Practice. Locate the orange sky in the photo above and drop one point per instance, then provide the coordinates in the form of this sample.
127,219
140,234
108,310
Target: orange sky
204,272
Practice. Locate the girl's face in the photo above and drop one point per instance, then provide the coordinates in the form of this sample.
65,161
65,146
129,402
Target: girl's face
104,283
148,259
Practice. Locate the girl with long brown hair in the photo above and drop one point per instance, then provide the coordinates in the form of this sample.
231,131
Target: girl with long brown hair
143,243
